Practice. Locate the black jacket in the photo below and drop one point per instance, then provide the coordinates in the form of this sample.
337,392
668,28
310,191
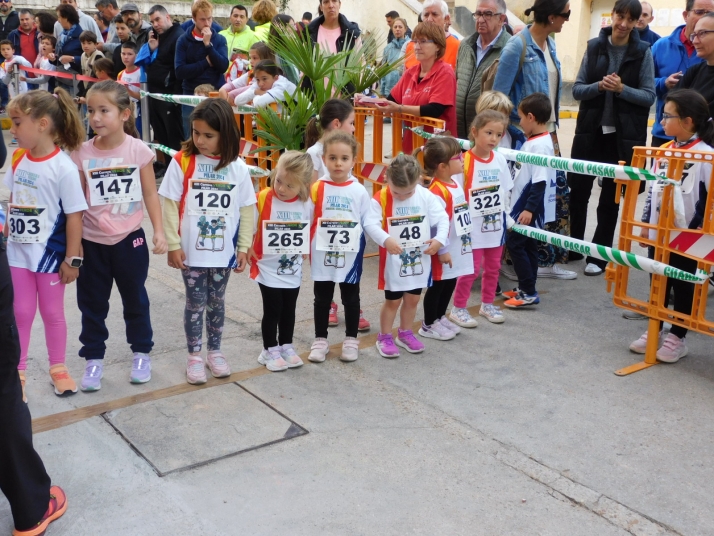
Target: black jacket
348,36
630,119
12,22
161,73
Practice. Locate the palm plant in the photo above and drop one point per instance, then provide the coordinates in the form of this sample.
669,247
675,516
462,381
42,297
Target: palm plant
323,76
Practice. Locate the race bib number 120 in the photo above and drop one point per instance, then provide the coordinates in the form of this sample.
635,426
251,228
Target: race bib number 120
27,225
109,186
338,235
286,237
210,198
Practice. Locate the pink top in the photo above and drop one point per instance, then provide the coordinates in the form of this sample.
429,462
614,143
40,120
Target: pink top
329,38
111,223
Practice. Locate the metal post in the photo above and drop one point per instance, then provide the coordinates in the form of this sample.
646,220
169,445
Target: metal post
16,77
144,103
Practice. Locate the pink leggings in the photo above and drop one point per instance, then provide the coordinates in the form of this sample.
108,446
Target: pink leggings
31,287
489,281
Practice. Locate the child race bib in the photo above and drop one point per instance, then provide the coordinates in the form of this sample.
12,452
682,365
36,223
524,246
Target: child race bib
462,219
27,224
286,237
486,200
109,186
338,235
409,231
210,198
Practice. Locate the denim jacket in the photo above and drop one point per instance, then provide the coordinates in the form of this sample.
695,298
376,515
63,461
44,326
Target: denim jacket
533,78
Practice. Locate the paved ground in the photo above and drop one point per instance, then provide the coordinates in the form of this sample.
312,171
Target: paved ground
517,429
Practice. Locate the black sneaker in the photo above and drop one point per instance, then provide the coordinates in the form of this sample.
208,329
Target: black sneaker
498,289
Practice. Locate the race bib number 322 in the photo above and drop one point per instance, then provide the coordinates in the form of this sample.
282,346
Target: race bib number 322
286,237
486,200
109,186
338,235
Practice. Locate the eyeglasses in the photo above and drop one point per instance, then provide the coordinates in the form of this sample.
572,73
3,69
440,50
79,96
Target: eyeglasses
5,1
485,14
667,117
700,34
421,42
700,12
459,157
565,15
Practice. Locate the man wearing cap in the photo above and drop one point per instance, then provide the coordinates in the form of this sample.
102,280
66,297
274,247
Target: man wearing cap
139,27
86,22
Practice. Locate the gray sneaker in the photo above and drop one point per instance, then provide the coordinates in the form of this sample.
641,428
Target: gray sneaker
92,379
141,368
633,315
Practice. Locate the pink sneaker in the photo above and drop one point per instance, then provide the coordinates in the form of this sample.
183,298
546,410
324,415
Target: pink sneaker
350,349
386,347
217,364
673,349
289,355
272,359
195,372
409,342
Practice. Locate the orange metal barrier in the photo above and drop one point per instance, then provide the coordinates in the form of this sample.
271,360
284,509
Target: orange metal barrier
618,276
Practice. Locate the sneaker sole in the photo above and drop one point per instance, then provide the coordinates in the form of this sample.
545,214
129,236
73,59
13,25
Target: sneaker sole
348,359
220,375
387,356
196,382
551,275
497,320
138,381
674,360
89,389
363,329
404,345
637,351
316,359
631,315
295,365
593,274
438,337
41,529
462,324
271,368
519,306
333,324
65,393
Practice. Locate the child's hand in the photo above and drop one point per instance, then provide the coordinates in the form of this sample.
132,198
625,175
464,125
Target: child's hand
223,94
434,247
81,100
68,274
445,258
242,259
259,92
525,217
644,233
252,256
160,244
176,259
392,246
66,59
51,56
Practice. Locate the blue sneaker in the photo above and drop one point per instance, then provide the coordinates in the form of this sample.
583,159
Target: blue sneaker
141,368
522,300
92,379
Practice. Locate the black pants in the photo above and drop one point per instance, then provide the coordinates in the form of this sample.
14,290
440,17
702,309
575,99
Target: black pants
324,290
167,122
23,478
683,291
127,263
278,315
605,151
524,255
437,298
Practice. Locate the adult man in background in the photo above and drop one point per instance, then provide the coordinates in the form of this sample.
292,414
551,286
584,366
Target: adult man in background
476,54
435,11
109,9
85,22
672,56
643,24
239,37
24,39
9,21
160,50
139,27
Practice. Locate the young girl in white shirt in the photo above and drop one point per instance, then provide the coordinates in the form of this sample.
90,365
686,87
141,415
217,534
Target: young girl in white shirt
235,86
268,86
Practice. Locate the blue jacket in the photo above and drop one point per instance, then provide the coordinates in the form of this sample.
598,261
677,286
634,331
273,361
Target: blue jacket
533,78
649,36
14,38
670,56
192,67
71,47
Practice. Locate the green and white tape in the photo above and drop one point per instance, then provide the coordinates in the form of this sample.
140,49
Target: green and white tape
188,100
255,171
611,255
245,109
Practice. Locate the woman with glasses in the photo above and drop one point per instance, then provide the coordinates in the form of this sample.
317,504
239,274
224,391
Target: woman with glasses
529,64
615,87
428,89
700,77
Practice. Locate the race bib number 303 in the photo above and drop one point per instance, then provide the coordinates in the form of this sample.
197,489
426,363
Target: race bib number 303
211,198
286,237
338,235
27,225
109,186
486,200
409,231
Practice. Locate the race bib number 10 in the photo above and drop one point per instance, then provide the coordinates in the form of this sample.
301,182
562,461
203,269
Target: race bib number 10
409,231
210,198
462,219
486,200
108,186
27,225
286,237
338,235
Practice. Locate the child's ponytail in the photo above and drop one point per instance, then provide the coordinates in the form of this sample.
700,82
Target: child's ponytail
312,132
438,151
70,132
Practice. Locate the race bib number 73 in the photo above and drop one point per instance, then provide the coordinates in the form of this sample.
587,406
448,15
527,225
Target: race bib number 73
338,235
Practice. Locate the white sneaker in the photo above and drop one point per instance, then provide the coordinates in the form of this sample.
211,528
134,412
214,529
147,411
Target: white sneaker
272,360
350,349
319,350
436,331
449,325
289,355
673,349
640,345
508,272
461,317
556,272
593,269
492,313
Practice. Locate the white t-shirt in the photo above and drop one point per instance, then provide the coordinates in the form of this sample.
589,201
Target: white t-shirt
210,207
315,153
457,208
531,174
6,68
411,269
46,65
134,78
693,174
487,231
349,202
279,270
43,192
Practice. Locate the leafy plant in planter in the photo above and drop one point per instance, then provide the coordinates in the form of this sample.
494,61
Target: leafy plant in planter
324,76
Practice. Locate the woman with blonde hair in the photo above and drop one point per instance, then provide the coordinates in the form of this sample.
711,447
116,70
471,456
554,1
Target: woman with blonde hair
263,13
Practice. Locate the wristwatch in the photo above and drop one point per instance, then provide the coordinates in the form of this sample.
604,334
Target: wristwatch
74,262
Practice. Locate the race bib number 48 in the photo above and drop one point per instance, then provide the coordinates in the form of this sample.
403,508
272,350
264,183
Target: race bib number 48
210,198
108,186
409,231
486,200
286,237
27,225
338,235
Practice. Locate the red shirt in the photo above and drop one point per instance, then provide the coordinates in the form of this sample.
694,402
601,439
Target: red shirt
686,42
438,86
27,45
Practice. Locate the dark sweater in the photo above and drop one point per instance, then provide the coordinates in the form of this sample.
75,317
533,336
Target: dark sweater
161,73
700,77
192,67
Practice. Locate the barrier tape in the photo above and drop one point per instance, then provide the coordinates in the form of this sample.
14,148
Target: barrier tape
255,171
611,255
188,100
